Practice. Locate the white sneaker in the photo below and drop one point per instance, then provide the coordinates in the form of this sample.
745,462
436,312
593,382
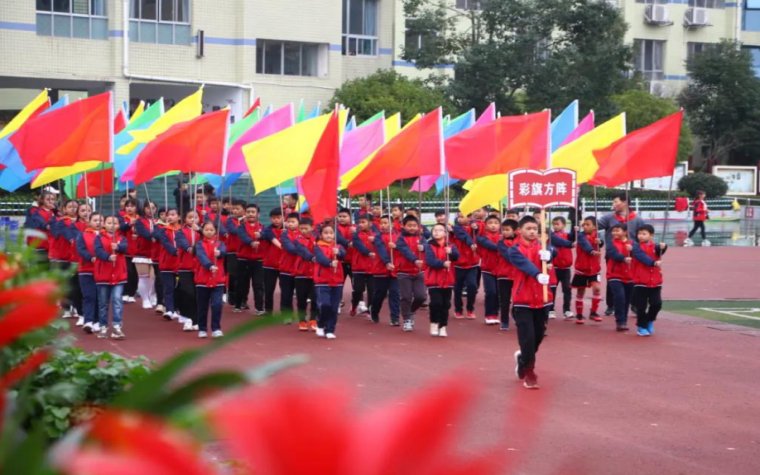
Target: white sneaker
74,312
67,314
434,330
116,333
217,334
320,332
362,308
259,313
96,327
80,322
87,327
492,321
132,300
153,300
103,333
552,315
569,315
706,243
125,298
688,242
408,326
224,298
188,326
160,309
442,332
202,335
330,336
196,328
146,304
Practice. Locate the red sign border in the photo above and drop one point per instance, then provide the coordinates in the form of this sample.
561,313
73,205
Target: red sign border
542,173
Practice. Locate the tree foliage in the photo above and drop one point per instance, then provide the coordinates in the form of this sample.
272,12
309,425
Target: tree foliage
642,108
713,186
389,91
722,101
525,54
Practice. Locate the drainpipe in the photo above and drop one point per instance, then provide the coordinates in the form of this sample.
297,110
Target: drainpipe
125,63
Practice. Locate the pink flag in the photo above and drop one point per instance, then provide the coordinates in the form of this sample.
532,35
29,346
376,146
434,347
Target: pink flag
359,143
270,124
586,125
488,115
424,182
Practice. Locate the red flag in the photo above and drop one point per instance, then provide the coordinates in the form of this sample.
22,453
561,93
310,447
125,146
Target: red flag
79,132
97,183
119,122
649,152
256,105
198,146
417,150
320,181
497,147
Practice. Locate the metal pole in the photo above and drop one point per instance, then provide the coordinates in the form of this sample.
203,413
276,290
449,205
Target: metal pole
667,209
596,210
166,194
390,228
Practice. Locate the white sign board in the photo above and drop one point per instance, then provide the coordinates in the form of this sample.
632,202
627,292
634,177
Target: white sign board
663,183
740,180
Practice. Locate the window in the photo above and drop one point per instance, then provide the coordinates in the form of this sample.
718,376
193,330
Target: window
160,21
72,18
416,40
648,57
706,3
290,58
468,4
693,49
649,2
755,53
360,27
751,16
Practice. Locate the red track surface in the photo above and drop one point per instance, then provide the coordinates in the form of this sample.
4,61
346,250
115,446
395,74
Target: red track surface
684,401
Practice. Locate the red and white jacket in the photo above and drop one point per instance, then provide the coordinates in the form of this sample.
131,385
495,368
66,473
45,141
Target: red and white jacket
407,252
617,268
85,250
505,270
700,210
363,244
436,275
108,272
304,268
488,243
463,237
645,273
526,291
250,233
168,256
586,263
324,273
63,232
186,239
205,250
272,254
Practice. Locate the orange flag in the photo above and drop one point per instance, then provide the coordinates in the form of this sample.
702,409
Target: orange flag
96,183
415,151
649,152
198,145
79,132
320,182
497,147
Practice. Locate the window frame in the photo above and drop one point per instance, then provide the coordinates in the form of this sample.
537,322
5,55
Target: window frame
347,38
138,22
262,45
712,4
641,60
71,16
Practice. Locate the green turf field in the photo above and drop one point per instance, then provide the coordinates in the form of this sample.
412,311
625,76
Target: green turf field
737,312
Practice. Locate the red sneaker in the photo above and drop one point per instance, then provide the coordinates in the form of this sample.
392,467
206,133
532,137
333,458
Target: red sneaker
531,380
458,315
471,316
352,312
303,326
595,317
313,325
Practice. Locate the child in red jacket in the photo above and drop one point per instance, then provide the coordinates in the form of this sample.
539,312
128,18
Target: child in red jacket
439,278
488,243
287,264
361,267
328,280
529,309
588,265
647,279
185,303
384,274
408,259
304,274
505,271
619,277
168,259
271,253
110,276
466,268
250,259
63,231
209,280
699,207
127,221
85,249
564,242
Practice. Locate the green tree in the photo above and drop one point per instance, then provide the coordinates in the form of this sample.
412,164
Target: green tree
525,54
722,102
642,108
389,91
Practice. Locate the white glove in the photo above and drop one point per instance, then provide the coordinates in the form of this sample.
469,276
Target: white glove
543,279
545,256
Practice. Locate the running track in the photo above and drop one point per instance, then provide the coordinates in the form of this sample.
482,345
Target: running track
686,401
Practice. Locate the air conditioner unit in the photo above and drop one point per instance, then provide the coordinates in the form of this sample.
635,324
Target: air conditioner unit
696,17
657,15
657,88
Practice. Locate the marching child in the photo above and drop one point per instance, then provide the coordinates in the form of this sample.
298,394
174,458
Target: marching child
505,271
397,214
328,280
529,309
466,267
410,252
231,260
384,273
488,249
143,255
271,257
563,242
80,225
127,228
110,277
250,260
439,278
155,253
361,267
85,246
344,235
647,279
209,280
168,260
619,273
699,207
588,265
185,303
287,266
304,274
40,218
364,206
63,232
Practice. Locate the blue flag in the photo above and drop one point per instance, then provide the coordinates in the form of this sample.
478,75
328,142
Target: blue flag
564,124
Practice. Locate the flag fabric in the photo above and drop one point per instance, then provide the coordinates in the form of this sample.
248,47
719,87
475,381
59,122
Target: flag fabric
97,183
297,144
187,109
505,144
380,115
256,104
645,153
51,174
147,118
392,127
416,151
564,124
351,124
137,112
119,121
488,115
578,155
484,191
197,146
301,114
79,132
242,126
221,183
315,112
320,181
359,143
32,109
277,121
585,125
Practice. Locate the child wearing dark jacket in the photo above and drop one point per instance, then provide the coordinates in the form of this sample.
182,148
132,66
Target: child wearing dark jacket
439,278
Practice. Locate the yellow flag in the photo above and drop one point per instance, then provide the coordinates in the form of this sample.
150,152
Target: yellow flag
187,109
286,154
138,110
578,156
392,128
24,114
51,174
488,190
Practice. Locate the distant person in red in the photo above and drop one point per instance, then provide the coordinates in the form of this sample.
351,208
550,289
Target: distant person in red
701,214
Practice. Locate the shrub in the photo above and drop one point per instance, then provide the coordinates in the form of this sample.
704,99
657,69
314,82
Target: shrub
713,186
